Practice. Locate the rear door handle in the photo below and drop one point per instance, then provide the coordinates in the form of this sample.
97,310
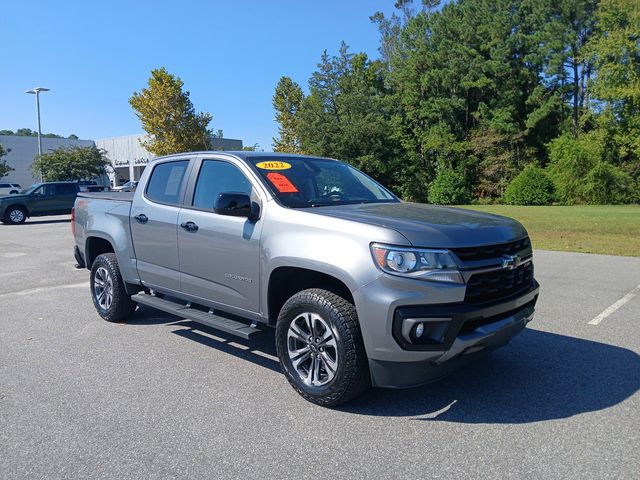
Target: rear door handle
142,218
189,226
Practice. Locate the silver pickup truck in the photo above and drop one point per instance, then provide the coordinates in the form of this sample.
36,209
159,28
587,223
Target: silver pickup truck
362,288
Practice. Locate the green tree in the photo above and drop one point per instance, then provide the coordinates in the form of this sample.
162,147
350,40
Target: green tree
482,89
168,116
27,132
569,25
616,87
72,163
5,169
347,115
471,71
287,101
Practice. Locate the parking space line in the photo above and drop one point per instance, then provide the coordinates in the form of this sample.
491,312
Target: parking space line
43,289
615,306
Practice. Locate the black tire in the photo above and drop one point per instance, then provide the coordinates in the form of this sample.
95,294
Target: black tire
105,271
15,215
351,377
14,192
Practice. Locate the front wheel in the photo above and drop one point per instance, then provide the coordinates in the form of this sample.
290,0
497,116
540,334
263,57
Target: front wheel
320,347
107,290
15,215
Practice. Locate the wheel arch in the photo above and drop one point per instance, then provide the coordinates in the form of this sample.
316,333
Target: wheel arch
286,281
94,246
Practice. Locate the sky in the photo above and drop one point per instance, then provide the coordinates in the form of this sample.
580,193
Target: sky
230,55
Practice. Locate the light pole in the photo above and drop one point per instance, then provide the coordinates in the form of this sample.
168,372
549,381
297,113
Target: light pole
36,91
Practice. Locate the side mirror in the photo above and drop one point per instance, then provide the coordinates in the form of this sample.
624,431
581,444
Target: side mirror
236,205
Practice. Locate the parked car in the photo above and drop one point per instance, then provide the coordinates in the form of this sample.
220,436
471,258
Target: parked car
9,188
362,288
52,198
129,186
91,186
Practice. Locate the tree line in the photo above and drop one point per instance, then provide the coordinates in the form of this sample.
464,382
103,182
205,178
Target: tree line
27,132
522,101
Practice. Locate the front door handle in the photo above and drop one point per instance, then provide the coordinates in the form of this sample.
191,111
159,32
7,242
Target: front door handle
142,218
189,226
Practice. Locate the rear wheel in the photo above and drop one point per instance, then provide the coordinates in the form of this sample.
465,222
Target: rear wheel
107,290
320,347
15,215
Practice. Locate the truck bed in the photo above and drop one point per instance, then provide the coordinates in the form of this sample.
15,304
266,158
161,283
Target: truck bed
120,196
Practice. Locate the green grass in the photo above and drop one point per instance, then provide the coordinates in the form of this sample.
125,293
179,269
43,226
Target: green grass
607,229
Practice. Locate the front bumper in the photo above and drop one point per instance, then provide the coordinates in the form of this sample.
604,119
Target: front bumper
464,348
396,363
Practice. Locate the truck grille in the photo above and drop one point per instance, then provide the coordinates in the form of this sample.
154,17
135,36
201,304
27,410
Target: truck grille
499,284
470,254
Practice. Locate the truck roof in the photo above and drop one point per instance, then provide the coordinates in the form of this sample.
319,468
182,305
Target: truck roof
244,154
57,182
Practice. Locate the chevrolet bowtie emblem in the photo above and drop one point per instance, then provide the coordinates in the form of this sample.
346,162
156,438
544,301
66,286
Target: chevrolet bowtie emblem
509,262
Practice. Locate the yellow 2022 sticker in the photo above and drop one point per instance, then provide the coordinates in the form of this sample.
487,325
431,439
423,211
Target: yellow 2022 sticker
273,165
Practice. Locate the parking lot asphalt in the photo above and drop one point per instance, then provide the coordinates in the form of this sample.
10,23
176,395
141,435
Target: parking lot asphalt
161,397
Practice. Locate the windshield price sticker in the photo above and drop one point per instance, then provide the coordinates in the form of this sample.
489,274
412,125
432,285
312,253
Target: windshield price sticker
282,183
274,165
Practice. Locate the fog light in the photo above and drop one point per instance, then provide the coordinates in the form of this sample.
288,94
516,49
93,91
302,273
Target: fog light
425,330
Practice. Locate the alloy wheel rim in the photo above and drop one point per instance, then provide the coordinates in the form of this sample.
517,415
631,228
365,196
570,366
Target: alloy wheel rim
16,215
103,288
312,349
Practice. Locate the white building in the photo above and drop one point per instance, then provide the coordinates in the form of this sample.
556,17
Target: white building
23,150
129,158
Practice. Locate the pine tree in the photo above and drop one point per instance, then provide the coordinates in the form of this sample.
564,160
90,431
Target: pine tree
287,101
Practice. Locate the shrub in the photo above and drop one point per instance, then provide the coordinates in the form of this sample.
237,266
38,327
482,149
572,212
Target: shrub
450,187
606,183
532,186
570,161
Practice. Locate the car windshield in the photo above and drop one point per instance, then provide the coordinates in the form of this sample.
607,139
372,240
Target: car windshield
316,182
30,189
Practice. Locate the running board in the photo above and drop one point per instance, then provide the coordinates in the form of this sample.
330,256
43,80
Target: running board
209,319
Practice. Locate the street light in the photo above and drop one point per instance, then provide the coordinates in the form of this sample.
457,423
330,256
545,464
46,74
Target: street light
36,91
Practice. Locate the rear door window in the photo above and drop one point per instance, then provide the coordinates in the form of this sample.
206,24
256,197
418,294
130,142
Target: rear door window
165,184
65,189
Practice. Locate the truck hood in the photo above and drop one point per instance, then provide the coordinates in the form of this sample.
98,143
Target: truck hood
430,225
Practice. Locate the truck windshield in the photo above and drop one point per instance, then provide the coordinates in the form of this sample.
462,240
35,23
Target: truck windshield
300,182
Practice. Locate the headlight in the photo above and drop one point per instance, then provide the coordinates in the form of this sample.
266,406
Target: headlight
425,264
